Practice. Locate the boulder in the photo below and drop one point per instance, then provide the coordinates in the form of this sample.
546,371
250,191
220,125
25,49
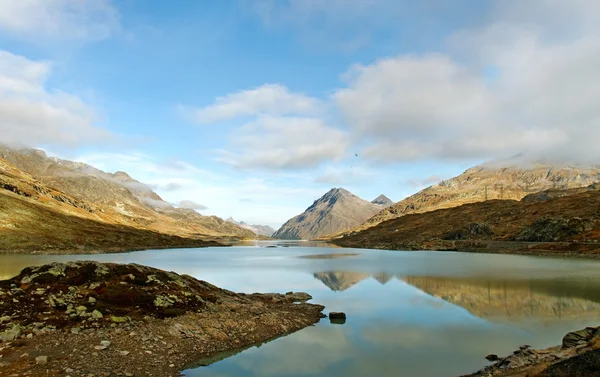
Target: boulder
581,337
337,315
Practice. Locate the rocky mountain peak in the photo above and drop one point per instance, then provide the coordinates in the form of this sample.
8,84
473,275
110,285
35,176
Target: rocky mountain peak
382,200
337,210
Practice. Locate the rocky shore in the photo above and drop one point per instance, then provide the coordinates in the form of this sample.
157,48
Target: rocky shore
104,319
577,356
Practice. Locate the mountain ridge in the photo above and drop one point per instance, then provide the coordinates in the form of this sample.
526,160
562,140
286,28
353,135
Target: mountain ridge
485,182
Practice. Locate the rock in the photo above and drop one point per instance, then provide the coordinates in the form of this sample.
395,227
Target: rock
103,345
119,319
492,357
6,318
82,309
524,347
11,334
164,301
337,315
41,359
123,353
96,314
581,337
92,300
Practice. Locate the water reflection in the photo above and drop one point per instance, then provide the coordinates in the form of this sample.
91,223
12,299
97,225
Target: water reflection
340,280
404,309
518,299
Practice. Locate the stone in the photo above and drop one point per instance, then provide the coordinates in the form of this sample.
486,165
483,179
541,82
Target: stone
103,345
119,319
41,359
492,357
81,309
337,315
11,334
92,300
123,353
96,314
581,337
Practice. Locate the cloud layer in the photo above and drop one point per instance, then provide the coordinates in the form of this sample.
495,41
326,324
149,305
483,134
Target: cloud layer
59,19
31,114
270,99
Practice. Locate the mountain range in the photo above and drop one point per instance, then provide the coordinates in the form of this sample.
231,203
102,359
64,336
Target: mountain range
335,211
260,230
39,193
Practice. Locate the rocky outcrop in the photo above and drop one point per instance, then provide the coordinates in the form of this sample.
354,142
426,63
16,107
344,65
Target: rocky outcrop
131,319
334,212
577,357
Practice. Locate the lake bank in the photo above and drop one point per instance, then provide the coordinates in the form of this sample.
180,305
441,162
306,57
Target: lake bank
83,318
590,250
577,356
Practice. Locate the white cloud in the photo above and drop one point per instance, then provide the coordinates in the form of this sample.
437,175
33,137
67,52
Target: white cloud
285,143
271,99
542,99
189,204
31,114
59,19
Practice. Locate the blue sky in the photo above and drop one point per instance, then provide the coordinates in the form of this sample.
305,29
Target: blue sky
256,108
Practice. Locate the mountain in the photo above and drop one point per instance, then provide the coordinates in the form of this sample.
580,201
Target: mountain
541,223
335,211
486,182
84,192
260,230
382,201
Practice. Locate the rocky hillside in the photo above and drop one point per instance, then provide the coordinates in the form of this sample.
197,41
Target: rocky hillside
382,201
488,182
569,223
111,198
334,212
260,230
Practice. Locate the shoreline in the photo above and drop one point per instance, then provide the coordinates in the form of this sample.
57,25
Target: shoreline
537,249
577,356
105,319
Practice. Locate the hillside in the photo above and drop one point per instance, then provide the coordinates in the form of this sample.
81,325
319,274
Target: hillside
488,182
567,223
335,211
118,198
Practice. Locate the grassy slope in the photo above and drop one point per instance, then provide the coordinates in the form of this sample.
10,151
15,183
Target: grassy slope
29,227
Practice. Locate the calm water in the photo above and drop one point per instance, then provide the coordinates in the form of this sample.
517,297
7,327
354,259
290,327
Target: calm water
409,313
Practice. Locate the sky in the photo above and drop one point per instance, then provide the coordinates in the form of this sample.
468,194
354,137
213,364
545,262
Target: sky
255,108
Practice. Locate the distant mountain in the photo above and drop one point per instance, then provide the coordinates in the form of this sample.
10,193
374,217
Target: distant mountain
77,189
334,212
261,230
498,180
382,201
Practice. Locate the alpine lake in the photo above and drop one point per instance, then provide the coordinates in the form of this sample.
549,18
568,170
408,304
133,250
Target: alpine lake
427,314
